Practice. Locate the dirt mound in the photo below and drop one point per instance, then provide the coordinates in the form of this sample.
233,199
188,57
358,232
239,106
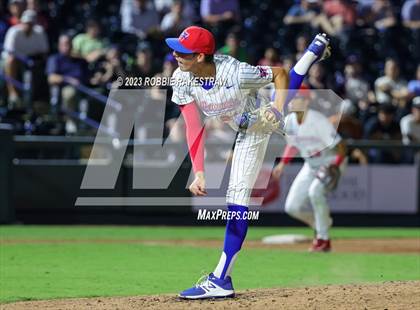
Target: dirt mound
388,295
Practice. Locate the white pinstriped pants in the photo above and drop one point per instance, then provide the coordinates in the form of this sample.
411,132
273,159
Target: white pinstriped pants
248,157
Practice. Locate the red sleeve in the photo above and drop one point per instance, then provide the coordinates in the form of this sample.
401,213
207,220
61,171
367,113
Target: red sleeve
195,132
289,153
338,160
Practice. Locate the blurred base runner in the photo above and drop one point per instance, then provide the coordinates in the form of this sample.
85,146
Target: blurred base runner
311,133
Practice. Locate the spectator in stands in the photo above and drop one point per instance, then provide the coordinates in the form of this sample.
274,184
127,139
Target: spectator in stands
316,77
190,11
168,68
151,115
108,70
356,87
302,13
342,13
24,40
163,6
299,19
382,18
64,72
302,43
357,90
216,12
219,15
337,19
349,127
139,19
42,17
382,15
410,124
144,65
334,17
233,47
363,10
175,21
104,77
4,25
410,14
410,129
390,88
367,108
171,110
16,8
413,87
89,45
288,62
383,127
271,58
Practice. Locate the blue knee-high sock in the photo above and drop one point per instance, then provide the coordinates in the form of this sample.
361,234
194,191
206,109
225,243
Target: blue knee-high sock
295,81
236,229
297,75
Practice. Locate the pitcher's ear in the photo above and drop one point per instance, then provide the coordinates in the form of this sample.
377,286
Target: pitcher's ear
201,57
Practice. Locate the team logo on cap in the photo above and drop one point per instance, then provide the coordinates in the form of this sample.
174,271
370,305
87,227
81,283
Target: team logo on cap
183,35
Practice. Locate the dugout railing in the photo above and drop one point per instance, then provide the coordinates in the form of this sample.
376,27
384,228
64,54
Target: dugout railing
87,95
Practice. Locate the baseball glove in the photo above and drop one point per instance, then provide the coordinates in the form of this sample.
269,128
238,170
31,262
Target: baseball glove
257,121
329,176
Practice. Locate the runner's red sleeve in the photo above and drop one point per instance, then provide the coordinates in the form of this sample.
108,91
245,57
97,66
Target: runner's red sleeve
288,154
338,160
195,133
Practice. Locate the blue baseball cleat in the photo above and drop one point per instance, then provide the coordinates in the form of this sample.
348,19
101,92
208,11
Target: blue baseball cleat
320,46
209,287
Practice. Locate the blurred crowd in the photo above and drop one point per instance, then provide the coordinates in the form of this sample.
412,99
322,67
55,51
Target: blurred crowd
60,58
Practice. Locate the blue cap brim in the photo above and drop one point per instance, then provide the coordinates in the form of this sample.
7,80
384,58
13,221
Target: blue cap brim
174,44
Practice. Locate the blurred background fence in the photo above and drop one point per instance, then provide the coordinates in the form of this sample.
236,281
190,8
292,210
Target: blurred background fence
41,179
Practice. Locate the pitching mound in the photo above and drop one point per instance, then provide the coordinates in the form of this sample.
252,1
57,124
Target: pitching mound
388,295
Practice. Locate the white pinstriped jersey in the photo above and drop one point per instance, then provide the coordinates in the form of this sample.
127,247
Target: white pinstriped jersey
315,137
234,91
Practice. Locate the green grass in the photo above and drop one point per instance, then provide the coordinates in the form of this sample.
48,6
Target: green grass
196,233
43,271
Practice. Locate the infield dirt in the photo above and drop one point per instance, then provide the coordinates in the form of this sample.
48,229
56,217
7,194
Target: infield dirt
388,295
371,245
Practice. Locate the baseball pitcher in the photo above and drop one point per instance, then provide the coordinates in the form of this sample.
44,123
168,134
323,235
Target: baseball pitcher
227,90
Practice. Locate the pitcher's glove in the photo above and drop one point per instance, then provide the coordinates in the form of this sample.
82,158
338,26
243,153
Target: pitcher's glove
258,121
329,176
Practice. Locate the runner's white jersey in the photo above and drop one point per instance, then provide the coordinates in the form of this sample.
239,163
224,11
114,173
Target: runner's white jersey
315,138
235,89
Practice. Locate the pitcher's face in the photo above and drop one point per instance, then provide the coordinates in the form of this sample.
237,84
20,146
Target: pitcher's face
186,62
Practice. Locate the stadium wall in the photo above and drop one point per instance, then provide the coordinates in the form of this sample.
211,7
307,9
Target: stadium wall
45,191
